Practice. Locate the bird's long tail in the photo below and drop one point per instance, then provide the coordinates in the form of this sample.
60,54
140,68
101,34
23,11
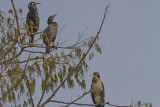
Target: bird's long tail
31,38
48,49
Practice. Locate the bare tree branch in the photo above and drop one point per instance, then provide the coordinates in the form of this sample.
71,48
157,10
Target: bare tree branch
73,102
30,59
78,98
40,46
80,104
84,56
34,51
57,46
38,58
42,95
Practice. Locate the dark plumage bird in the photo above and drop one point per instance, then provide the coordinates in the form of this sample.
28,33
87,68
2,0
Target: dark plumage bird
50,33
98,92
32,20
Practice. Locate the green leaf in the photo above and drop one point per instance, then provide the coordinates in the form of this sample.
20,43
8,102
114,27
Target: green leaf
98,49
10,11
25,104
20,11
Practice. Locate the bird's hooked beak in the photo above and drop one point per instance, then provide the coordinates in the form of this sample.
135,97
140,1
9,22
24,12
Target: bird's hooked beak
38,3
92,75
54,15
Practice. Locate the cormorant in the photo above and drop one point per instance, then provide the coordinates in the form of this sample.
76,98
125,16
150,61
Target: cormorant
32,20
50,33
97,90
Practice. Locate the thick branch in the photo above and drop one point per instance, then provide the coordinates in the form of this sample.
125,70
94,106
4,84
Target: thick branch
80,104
84,56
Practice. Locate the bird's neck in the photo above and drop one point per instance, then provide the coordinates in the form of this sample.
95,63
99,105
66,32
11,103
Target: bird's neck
51,23
33,10
95,79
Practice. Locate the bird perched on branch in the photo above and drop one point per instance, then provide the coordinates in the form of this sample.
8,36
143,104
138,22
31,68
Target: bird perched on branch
50,33
97,90
32,20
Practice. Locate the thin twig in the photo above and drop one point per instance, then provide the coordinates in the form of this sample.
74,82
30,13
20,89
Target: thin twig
30,59
84,56
39,32
30,93
41,97
4,62
34,51
16,16
39,57
46,79
60,33
78,98
40,46
29,86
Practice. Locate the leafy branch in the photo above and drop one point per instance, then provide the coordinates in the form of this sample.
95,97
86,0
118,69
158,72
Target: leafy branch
84,56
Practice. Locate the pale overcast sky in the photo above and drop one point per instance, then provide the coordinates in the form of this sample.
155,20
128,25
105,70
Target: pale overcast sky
130,62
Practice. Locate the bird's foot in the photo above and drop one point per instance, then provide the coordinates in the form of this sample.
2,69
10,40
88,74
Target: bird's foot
53,46
30,44
107,103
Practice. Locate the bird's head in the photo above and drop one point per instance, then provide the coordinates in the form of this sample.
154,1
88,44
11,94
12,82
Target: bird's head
50,19
32,5
96,74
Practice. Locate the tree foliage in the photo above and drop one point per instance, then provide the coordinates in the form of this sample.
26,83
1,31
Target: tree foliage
24,65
